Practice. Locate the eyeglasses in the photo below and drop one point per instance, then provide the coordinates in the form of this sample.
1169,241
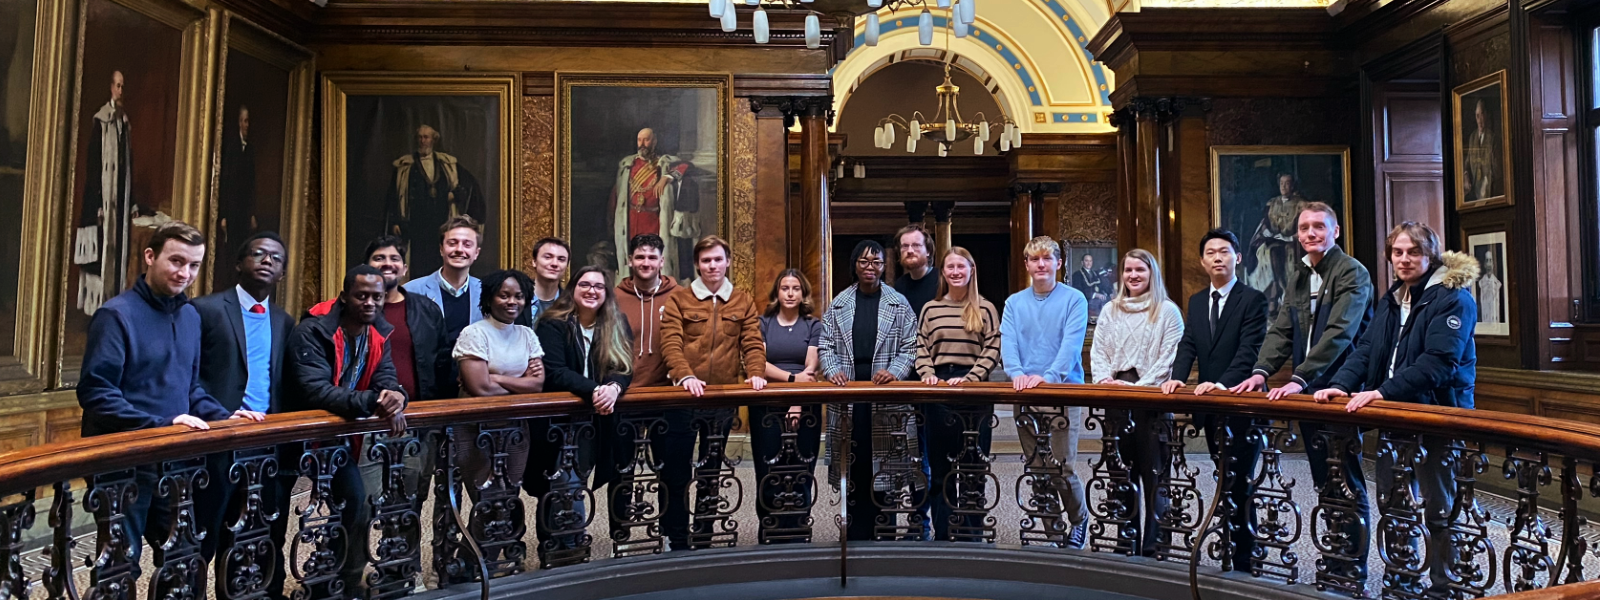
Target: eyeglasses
258,254
589,285
869,263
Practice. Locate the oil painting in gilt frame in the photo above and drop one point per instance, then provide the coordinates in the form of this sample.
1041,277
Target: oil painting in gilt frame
1482,154
404,152
262,136
1257,193
641,154
141,75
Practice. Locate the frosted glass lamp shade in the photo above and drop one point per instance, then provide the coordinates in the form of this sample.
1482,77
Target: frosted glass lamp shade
916,129
943,3
968,11
983,131
943,151
959,27
925,28
759,25
860,171
872,29
911,143
730,20
1005,143
813,31
717,6
1016,137
977,146
950,130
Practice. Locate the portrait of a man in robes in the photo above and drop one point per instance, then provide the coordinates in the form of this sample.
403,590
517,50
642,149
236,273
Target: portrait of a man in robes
645,200
429,187
105,221
236,190
1481,153
1273,244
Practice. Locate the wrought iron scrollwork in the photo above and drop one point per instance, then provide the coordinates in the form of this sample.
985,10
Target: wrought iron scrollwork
16,517
900,475
1527,564
1180,523
1114,496
455,558
1573,546
180,571
322,532
1338,526
635,510
712,506
58,576
789,488
397,555
562,509
1278,522
966,488
247,565
1402,530
497,522
1219,516
1471,569
109,498
1038,490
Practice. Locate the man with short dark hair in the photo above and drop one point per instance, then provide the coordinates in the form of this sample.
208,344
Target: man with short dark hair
142,369
917,280
550,259
454,290
420,359
642,298
243,337
340,362
1227,323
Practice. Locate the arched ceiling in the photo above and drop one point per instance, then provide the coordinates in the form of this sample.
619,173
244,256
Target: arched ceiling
1031,54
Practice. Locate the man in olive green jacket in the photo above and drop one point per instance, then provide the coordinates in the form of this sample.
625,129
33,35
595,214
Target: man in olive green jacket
1326,305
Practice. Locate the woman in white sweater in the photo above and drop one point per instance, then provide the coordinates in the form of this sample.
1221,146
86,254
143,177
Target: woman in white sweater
1135,340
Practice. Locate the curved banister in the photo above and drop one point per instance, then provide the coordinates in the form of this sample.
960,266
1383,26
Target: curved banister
46,464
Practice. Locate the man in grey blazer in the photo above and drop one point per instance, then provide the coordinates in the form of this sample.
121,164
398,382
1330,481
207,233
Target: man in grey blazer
243,335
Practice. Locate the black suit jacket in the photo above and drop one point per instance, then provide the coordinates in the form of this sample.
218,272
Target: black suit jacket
223,370
430,356
1228,357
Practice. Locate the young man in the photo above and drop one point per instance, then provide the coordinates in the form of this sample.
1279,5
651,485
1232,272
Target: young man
710,334
142,369
1326,303
454,290
1041,341
1420,350
1223,334
340,362
917,281
242,339
642,298
550,259
421,360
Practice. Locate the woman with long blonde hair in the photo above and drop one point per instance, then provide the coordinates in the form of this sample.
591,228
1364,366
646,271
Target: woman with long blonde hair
1135,341
958,342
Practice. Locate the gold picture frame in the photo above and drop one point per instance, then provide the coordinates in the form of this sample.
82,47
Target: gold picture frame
338,89
1246,183
567,84
197,31
1491,185
238,33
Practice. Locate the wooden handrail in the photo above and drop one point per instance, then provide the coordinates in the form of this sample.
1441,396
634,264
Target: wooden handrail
1588,590
37,466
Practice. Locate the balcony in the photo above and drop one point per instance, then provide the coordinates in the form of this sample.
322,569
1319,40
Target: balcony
60,539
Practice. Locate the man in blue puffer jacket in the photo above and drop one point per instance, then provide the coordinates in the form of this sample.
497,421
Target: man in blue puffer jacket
1419,349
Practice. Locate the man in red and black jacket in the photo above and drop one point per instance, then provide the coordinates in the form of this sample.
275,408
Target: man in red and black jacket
340,363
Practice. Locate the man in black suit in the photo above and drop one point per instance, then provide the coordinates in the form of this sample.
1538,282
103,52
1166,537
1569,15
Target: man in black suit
1226,325
243,335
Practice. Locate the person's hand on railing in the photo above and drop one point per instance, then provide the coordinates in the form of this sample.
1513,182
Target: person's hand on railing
955,381
693,385
1253,384
190,421
1112,381
390,402
1026,382
757,383
248,415
930,380
882,376
1207,387
1324,395
805,377
397,424
605,398
1171,385
1362,399
839,378
1278,393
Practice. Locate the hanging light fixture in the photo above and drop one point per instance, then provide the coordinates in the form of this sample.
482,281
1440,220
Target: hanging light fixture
947,127
925,28
960,11
730,19
758,25
873,26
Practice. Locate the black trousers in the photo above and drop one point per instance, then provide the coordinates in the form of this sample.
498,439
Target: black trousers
543,475
679,455
1240,458
864,500
1317,453
766,441
1145,450
613,456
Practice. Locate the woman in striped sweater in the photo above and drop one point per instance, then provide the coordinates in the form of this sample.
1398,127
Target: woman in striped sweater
959,341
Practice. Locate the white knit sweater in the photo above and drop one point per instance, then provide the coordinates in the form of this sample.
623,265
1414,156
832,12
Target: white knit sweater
1130,340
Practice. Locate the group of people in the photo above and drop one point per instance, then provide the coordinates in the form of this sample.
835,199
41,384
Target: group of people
155,358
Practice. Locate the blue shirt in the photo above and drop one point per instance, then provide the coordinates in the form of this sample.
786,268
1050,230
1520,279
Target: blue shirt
257,353
1045,336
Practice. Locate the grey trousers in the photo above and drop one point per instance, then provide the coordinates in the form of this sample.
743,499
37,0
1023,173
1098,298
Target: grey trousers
1435,485
1063,425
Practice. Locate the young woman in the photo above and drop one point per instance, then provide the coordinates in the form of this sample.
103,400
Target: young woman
1135,342
589,353
958,342
498,356
791,334
870,334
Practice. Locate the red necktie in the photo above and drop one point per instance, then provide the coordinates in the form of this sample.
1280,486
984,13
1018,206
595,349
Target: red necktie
258,309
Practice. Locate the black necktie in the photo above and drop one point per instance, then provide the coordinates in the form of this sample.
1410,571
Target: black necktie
1216,310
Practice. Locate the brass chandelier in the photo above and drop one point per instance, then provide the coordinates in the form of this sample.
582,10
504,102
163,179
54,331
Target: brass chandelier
947,128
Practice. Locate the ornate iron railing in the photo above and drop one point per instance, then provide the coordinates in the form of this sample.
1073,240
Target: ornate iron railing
1537,544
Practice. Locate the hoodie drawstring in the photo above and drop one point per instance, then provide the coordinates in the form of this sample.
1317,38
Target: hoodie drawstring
649,333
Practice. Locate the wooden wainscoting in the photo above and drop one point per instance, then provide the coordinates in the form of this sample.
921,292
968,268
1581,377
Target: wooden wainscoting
1557,395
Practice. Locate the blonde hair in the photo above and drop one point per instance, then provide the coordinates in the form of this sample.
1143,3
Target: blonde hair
1158,290
971,312
1041,245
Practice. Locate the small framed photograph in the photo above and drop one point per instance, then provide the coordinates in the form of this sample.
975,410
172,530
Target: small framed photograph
1490,290
1482,157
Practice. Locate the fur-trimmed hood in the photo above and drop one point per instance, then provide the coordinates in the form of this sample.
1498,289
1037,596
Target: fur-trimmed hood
1456,270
